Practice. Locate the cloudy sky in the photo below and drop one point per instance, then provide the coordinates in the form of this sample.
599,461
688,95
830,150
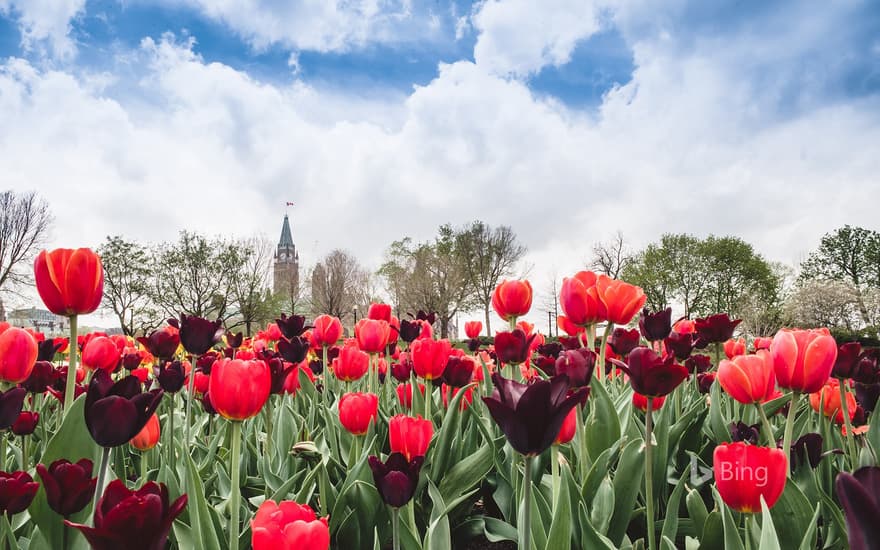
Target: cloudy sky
566,119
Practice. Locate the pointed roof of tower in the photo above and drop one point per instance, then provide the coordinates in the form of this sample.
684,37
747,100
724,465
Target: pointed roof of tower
286,237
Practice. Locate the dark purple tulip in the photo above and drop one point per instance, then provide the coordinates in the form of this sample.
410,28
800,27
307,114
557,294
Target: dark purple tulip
512,348
530,415
714,329
17,490
570,342
740,431
650,375
26,423
807,449
204,362
131,361
546,364
680,345
207,406
409,330
69,487
578,365
11,402
46,349
427,316
135,520
868,370
117,412
316,366
859,494
623,341
43,376
198,334
698,363
234,340
705,381
279,370
473,344
550,349
292,326
848,358
293,350
161,343
402,369
459,371
397,478
171,376
655,326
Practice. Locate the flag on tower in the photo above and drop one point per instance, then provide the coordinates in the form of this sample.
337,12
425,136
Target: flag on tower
289,203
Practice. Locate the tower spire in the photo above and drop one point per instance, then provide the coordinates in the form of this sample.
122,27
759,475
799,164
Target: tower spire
286,236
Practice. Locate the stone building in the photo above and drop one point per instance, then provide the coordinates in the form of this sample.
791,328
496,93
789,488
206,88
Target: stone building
286,268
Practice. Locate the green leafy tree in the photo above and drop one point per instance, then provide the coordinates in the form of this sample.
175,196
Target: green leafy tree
128,279
848,254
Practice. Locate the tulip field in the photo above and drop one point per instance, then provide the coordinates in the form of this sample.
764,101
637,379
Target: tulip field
635,430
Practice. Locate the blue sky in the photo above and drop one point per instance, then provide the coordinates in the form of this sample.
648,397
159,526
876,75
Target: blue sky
566,119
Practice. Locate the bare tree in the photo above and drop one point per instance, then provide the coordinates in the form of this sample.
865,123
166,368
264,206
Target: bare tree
127,282
249,285
612,256
487,254
338,283
24,223
551,300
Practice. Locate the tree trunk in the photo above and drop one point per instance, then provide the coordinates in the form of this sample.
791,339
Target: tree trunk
488,325
247,328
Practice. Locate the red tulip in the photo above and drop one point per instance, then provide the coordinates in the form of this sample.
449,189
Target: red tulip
512,299
410,436
101,353
563,323
803,359
379,312
580,300
70,282
148,437
762,343
566,432
473,329
327,331
748,378
18,354
828,400
649,374
448,393
357,410
745,473
239,389
429,357
351,364
732,347
641,402
372,335
288,525
622,300
405,394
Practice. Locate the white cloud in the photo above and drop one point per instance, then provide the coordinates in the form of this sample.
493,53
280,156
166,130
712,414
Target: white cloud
45,24
693,143
519,37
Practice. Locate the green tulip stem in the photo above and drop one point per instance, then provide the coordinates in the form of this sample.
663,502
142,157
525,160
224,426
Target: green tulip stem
525,529
171,430
789,426
189,400
649,475
717,349
512,322
327,378
748,531
3,451
64,530
270,414
395,528
71,367
144,467
554,472
102,477
609,326
429,394
24,453
768,430
235,489
850,438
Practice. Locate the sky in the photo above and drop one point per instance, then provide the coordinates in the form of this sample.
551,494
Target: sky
566,119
